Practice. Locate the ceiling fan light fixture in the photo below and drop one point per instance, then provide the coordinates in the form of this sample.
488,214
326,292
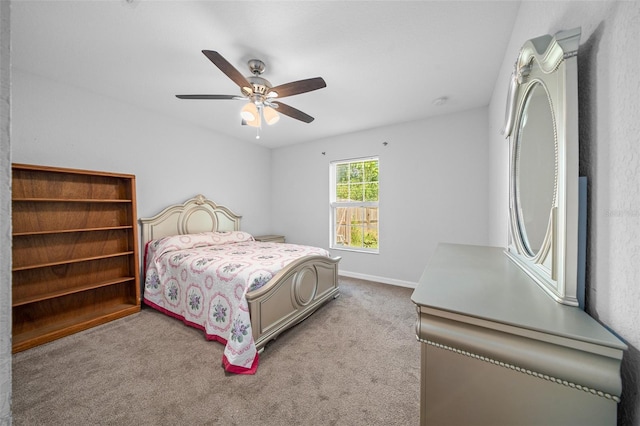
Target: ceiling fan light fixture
257,120
270,115
249,112
254,123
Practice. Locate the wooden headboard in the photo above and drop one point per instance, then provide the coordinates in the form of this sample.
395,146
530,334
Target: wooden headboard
197,214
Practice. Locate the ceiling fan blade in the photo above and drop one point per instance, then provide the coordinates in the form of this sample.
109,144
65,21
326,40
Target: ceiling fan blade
209,97
297,87
292,112
228,69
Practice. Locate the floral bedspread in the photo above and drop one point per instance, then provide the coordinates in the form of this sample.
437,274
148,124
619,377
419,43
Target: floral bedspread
203,278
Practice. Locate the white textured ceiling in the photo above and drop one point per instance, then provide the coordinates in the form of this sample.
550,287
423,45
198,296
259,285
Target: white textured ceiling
384,62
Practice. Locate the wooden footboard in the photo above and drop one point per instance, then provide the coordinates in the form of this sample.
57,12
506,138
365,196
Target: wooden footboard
291,296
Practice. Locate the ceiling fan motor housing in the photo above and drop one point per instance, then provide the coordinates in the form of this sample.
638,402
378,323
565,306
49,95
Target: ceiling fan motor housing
260,87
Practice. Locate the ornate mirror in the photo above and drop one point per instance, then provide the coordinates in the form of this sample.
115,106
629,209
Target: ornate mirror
542,127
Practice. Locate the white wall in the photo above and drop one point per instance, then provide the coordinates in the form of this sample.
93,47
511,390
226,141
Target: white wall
433,186
59,125
5,215
609,114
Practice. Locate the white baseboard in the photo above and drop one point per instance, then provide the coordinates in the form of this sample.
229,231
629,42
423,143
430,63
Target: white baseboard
374,278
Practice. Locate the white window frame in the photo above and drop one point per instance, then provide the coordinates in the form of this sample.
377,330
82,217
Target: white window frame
334,205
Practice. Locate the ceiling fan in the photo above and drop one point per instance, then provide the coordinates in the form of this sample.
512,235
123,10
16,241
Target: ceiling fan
263,99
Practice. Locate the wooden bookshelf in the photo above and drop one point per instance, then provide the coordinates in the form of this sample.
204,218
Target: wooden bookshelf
74,249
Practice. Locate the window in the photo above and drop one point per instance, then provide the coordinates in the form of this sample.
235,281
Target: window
354,204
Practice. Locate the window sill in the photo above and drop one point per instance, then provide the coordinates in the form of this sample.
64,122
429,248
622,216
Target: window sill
356,250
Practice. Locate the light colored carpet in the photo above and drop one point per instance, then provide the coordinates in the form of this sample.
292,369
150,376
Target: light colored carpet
353,362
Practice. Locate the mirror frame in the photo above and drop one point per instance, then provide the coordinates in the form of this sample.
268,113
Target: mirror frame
552,62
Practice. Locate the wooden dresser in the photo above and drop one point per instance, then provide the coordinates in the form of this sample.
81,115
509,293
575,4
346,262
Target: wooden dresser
497,350
75,251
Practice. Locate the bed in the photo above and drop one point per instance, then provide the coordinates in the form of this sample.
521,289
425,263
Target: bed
243,301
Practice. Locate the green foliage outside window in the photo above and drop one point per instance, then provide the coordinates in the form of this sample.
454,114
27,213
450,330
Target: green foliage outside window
368,240
357,181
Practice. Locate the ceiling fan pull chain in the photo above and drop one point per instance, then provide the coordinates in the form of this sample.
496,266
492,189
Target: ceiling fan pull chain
259,126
